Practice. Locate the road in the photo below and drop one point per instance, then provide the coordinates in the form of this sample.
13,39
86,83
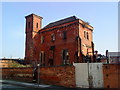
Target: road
15,85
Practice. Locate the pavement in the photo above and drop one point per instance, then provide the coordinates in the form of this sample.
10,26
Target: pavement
16,85
34,85
30,86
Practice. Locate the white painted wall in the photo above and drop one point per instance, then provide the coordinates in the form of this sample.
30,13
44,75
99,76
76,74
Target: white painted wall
87,74
95,70
81,75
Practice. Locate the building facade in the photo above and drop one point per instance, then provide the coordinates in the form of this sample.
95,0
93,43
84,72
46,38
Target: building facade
113,57
58,43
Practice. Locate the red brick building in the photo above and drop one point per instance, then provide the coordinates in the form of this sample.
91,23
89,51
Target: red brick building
58,43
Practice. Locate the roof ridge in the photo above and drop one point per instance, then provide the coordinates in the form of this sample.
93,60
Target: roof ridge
65,18
62,21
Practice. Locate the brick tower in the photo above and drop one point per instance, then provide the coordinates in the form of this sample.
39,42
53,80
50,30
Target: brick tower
33,25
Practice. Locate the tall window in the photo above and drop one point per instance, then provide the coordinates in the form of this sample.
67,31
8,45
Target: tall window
87,36
28,24
87,51
65,56
42,58
42,39
53,37
37,25
64,35
84,34
51,56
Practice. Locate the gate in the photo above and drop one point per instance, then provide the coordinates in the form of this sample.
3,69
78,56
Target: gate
89,75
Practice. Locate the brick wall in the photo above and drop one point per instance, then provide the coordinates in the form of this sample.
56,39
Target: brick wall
111,76
70,43
31,29
59,75
62,76
20,74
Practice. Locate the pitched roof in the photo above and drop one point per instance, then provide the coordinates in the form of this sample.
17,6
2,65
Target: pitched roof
66,20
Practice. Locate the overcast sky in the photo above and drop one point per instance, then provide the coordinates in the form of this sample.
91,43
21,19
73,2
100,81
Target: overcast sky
103,16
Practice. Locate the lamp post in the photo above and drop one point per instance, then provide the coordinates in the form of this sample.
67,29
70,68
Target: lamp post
38,74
